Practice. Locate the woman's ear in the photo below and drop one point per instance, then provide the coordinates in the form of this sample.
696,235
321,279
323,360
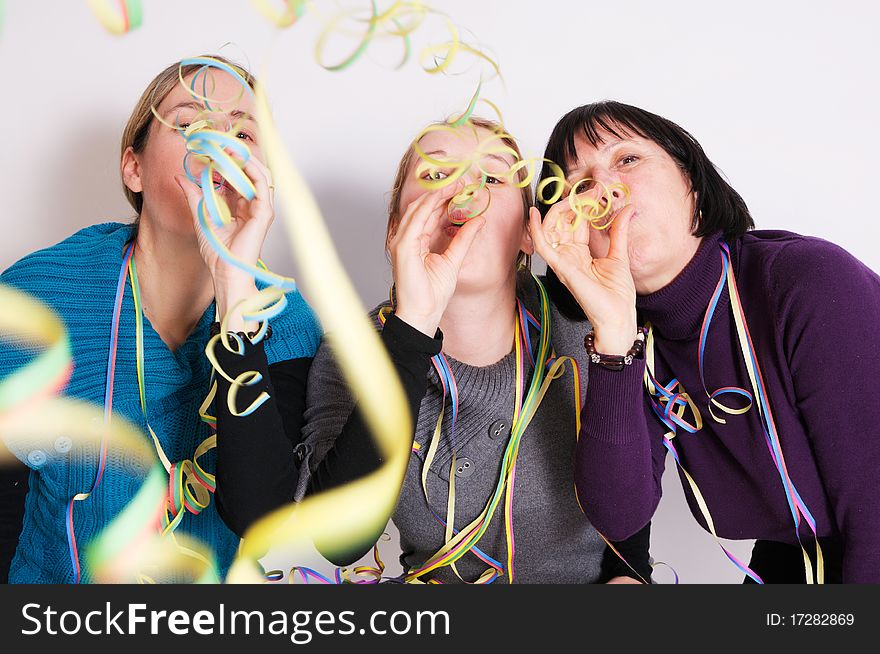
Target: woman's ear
131,171
391,232
527,245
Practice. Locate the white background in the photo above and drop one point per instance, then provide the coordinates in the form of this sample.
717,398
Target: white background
782,95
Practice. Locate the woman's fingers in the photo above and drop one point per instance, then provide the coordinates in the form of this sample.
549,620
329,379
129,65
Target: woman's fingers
192,192
619,234
419,213
557,225
261,177
580,230
462,241
435,217
539,236
262,206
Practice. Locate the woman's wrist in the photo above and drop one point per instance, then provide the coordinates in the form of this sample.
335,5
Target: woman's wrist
616,362
426,324
616,345
229,278
228,295
614,340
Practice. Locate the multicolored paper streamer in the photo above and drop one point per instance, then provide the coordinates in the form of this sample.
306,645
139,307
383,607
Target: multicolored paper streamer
290,11
670,402
118,16
33,418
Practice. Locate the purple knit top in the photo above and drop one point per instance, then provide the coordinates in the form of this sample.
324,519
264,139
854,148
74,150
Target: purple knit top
813,311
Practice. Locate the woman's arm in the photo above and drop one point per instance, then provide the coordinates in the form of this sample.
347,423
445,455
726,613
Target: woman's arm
338,460
256,469
334,429
258,466
618,462
354,452
829,311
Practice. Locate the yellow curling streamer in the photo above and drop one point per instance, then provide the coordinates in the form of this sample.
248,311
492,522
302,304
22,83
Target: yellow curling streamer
492,145
190,485
596,211
742,333
118,16
358,511
444,54
399,21
291,11
252,308
25,322
131,549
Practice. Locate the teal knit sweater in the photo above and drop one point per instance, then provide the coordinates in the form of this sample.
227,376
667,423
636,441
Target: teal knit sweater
77,278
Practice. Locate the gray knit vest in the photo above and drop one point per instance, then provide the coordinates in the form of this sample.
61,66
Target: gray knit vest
554,541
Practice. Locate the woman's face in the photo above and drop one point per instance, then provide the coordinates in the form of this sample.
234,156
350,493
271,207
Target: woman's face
661,242
162,157
492,258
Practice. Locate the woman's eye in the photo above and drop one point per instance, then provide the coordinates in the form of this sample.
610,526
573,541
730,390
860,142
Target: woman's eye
628,159
244,136
182,125
435,175
493,180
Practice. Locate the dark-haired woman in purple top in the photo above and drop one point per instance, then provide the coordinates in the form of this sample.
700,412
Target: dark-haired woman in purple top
749,356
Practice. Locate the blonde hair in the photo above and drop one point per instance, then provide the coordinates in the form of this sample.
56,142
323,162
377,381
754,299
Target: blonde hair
394,209
137,129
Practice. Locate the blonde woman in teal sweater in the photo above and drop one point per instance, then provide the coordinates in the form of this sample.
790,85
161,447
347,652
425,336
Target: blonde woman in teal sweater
183,285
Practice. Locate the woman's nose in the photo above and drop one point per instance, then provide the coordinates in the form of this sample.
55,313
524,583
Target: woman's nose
472,177
602,187
217,120
617,191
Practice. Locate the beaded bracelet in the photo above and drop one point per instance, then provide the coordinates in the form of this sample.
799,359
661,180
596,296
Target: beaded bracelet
615,362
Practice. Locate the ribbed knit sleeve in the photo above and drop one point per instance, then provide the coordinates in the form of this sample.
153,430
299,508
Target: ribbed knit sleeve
618,464
296,332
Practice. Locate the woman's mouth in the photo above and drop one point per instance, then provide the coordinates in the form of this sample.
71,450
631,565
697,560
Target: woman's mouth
218,180
458,217
451,230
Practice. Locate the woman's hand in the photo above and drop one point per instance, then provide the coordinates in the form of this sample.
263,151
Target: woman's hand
243,237
424,280
604,287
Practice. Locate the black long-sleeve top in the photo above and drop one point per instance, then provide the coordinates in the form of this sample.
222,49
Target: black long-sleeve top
259,456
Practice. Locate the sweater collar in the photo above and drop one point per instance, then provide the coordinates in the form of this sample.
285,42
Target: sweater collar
494,381
677,310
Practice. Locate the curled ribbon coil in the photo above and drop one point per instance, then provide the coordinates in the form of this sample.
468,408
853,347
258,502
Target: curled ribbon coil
290,11
598,211
400,21
474,198
132,550
118,16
